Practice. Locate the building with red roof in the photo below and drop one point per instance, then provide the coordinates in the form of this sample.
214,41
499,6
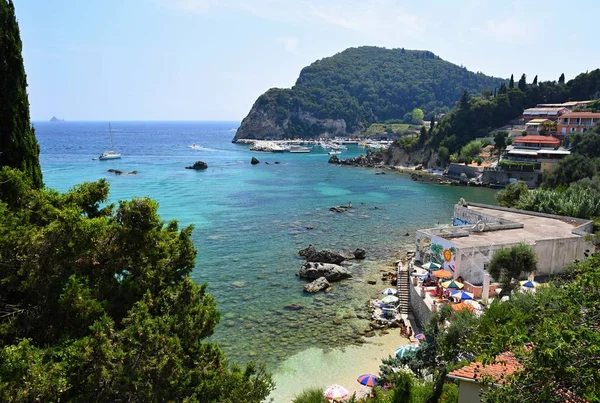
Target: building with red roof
537,141
577,122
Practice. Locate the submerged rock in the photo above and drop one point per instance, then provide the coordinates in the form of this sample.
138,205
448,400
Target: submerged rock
119,172
319,284
332,272
359,253
198,165
254,161
294,307
326,256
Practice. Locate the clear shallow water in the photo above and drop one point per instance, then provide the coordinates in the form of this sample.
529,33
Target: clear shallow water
251,220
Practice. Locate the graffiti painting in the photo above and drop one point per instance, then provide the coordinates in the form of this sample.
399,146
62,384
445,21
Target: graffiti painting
443,253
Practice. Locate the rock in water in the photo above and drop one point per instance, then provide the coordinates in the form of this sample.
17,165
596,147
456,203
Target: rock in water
326,256
115,171
198,165
254,161
319,284
332,272
308,251
294,307
334,159
359,253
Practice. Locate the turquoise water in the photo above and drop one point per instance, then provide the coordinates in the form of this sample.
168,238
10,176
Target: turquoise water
251,220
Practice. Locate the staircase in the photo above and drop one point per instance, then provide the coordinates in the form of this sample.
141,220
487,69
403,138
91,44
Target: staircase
403,288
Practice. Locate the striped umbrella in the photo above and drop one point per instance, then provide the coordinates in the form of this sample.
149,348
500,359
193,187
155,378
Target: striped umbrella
367,379
390,299
453,284
389,291
431,266
462,294
529,284
336,392
400,351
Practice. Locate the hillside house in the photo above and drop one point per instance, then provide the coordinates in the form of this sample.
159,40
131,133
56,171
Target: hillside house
577,122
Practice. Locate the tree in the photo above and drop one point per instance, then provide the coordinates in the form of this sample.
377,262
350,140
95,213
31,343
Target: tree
511,83
423,134
97,303
500,142
508,264
465,98
561,79
18,145
431,124
503,89
523,83
512,194
417,116
570,169
535,79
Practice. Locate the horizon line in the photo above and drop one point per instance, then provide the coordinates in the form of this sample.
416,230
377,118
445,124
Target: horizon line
133,120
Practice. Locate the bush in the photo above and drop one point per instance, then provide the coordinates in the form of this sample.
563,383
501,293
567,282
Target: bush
312,395
479,161
512,194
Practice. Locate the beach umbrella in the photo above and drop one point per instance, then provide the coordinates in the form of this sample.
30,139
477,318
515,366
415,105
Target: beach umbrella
389,291
529,284
462,294
419,336
367,379
442,273
461,306
390,299
453,284
336,392
431,266
400,351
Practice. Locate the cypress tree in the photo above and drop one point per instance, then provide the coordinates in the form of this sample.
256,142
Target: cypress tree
502,89
511,84
523,83
535,80
18,145
561,79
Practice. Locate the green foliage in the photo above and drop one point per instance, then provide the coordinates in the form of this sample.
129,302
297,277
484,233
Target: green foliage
570,169
417,116
443,155
368,84
508,264
97,303
18,145
312,395
578,200
512,194
471,149
398,129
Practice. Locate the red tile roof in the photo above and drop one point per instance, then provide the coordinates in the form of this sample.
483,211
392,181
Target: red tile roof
505,365
537,139
580,115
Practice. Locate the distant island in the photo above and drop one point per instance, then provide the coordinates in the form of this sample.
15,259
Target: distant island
55,119
344,94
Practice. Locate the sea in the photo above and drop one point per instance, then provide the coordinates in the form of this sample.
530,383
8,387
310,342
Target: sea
251,220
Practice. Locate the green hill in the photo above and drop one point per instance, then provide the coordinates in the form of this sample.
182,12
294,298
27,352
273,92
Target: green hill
345,93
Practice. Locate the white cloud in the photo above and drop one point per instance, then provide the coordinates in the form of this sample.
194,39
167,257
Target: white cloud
290,43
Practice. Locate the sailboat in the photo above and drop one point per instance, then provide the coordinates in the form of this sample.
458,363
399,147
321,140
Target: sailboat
110,155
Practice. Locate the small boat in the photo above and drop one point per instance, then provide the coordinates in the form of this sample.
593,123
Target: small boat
194,146
110,155
334,152
299,149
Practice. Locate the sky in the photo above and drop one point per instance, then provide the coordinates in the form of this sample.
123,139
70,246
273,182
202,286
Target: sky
211,59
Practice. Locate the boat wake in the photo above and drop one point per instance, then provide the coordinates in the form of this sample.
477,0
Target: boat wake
200,148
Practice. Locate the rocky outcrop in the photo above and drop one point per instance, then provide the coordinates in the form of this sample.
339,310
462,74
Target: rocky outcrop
254,161
319,284
198,165
372,159
332,272
119,172
334,159
306,252
359,253
325,256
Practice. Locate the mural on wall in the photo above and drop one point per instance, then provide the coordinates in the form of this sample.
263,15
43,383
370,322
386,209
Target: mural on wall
443,253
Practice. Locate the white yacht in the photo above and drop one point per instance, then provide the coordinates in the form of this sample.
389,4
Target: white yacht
110,155
298,149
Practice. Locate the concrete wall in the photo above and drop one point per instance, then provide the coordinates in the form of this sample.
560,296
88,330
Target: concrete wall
469,392
454,170
502,177
419,308
477,290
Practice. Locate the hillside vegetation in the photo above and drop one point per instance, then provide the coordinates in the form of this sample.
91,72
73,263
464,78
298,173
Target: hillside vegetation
347,92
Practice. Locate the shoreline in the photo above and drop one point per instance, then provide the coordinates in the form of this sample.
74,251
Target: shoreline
318,368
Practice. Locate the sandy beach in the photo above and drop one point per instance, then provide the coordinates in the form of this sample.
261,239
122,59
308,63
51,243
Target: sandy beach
319,368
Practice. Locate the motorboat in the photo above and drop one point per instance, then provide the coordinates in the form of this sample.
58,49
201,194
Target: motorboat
299,149
334,152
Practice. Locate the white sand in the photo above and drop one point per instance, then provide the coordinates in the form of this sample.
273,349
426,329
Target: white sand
318,368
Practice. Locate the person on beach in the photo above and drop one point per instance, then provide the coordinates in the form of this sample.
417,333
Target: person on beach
409,332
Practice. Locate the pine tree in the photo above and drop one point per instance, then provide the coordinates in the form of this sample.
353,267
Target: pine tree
431,124
18,145
523,83
495,92
561,79
502,89
464,100
535,80
511,84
